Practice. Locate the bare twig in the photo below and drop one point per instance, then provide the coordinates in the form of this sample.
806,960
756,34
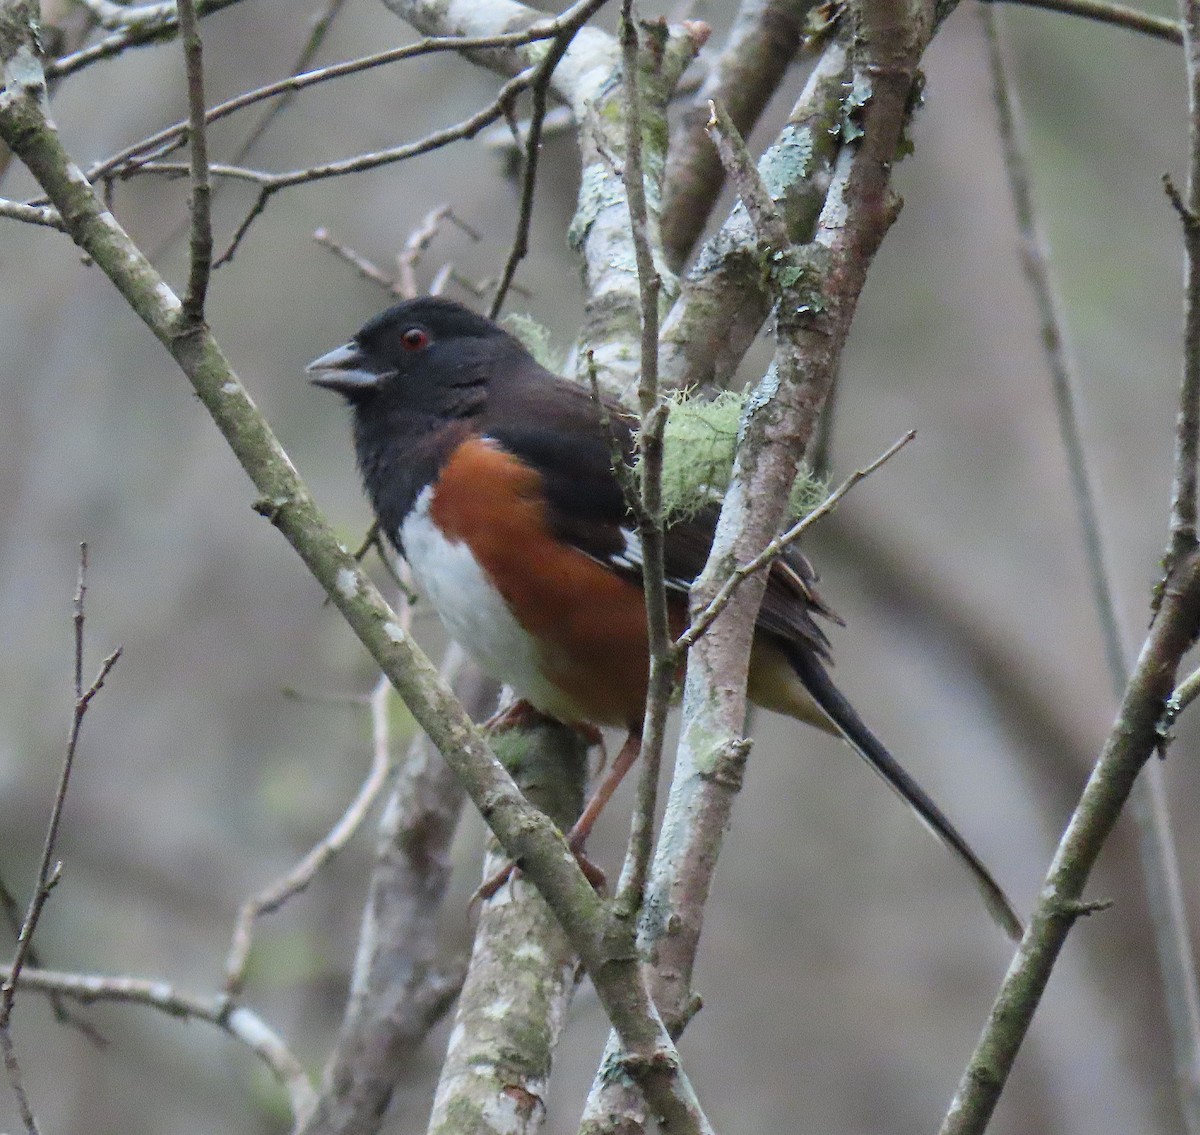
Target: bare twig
704,619
241,1023
1160,868
1118,15
539,92
49,870
171,138
415,246
368,270
302,874
663,660
200,204
155,22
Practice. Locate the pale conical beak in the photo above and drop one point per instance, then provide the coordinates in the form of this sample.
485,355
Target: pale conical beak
344,369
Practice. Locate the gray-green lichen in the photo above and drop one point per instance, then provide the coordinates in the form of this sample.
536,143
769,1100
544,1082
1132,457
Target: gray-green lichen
699,444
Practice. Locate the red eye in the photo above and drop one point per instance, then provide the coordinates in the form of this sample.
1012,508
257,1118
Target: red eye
414,339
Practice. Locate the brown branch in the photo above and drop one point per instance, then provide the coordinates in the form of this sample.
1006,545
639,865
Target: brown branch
1131,19
761,43
200,203
1136,735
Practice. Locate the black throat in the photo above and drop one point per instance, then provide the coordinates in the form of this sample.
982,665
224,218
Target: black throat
400,452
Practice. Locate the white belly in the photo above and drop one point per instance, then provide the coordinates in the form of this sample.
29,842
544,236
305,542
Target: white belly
473,611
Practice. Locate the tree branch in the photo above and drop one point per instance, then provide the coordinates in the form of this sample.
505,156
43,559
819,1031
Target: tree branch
1160,868
1135,736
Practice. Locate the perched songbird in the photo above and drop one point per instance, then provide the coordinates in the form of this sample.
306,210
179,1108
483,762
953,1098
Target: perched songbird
493,478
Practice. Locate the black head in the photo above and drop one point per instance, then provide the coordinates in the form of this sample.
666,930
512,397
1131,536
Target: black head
426,353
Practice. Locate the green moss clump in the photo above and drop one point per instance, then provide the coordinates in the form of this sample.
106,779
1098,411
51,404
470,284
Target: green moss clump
698,447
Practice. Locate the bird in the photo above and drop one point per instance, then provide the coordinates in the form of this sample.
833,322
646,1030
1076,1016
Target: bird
494,478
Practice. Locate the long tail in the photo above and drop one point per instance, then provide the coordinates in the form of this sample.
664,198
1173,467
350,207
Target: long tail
820,686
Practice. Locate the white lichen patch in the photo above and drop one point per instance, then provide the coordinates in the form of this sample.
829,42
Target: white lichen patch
347,583
394,631
528,951
169,300
497,1010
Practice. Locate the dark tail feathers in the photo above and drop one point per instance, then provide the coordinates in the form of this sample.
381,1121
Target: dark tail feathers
818,683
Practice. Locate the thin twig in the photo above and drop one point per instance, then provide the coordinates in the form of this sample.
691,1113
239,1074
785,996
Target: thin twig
270,184
241,1023
165,141
650,512
1160,868
1187,430
1157,27
271,898
780,544
48,869
539,93
368,270
415,247
200,204
159,21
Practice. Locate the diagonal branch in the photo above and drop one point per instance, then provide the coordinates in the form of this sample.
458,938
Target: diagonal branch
524,832
1156,845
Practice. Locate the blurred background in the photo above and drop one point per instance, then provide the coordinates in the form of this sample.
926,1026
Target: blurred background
847,965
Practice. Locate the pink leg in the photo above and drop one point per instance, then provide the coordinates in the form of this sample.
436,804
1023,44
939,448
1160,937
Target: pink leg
577,836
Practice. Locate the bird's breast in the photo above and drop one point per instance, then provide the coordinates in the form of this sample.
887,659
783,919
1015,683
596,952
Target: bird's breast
565,632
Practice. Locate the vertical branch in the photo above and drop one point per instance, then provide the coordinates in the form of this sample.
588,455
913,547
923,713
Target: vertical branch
650,514
200,204
495,1077
1187,430
49,870
1160,868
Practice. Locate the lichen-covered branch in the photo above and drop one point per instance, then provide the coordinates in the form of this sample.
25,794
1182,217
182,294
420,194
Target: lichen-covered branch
817,289
523,969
